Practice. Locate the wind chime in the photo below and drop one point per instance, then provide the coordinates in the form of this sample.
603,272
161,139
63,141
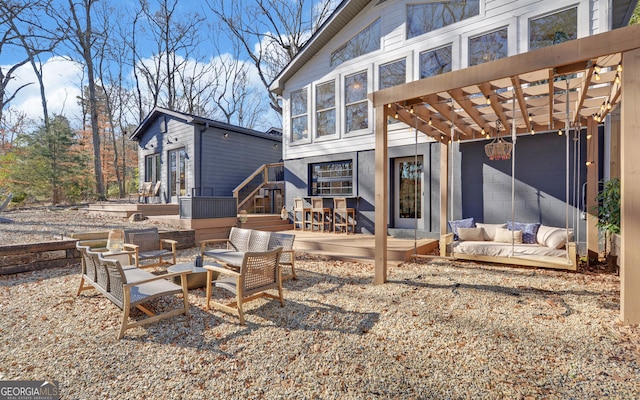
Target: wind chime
498,149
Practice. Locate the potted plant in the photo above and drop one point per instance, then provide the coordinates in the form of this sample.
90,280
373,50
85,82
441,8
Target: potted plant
609,217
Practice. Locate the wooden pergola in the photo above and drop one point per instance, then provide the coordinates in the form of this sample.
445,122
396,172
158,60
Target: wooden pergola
572,85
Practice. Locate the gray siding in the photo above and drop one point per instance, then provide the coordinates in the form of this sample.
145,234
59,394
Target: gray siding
227,162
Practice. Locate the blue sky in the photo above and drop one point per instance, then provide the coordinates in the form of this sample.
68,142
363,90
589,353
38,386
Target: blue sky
63,76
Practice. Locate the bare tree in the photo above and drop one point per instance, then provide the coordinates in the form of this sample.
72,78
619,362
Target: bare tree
176,38
272,32
77,20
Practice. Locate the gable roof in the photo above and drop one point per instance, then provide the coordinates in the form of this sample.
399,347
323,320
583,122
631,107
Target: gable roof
194,119
621,13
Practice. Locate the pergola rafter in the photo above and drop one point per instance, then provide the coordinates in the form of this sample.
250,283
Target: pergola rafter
575,83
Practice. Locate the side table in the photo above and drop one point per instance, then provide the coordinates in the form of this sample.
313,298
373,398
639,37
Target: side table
196,279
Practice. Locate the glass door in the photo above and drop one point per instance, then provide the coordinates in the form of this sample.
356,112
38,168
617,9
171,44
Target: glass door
177,174
408,192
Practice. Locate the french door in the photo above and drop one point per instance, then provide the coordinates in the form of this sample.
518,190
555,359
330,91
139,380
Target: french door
177,174
408,192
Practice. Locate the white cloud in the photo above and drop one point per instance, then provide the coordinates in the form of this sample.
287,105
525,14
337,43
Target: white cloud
62,79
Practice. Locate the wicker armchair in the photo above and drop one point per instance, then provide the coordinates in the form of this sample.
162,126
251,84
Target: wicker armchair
147,245
260,272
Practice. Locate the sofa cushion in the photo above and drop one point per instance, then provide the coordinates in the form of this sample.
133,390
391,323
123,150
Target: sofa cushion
476,234
553,237
529,230
460,223
490,230
505,236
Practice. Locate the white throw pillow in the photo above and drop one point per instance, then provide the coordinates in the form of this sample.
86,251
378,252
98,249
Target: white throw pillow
490,230
504,235
471,234
552,237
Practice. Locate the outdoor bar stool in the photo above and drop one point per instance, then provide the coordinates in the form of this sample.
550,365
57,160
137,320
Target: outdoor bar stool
320,215
304,212
343,216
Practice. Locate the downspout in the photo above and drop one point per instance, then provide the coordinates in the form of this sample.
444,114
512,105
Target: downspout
202,131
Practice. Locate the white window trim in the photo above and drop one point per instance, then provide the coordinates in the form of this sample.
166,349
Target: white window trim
336,135
370,89
582,28
492,25
292,142
455,47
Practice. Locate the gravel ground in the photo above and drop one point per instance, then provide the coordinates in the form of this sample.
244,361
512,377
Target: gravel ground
438,329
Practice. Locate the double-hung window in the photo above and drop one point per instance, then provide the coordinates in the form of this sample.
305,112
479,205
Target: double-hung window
299,116
326,109
356,103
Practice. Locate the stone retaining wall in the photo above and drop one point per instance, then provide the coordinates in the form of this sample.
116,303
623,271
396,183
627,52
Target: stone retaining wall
34,256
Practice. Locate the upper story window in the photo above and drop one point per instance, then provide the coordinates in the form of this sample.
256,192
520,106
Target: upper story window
299,119
366,41
435,62
488,47
392,74
553,29
426,17
356,103
326,109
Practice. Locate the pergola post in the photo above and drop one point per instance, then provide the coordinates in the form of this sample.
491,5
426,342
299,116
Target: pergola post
444,187
630,189
381,201
592,191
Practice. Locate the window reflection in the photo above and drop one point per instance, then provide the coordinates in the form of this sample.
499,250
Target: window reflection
427,17
553,29
325,109
488,47
299,126
366,41
435,62
356,104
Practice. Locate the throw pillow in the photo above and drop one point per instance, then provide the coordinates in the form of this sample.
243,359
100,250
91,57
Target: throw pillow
529,230
490,230
471,234
460,223
505,236
555,238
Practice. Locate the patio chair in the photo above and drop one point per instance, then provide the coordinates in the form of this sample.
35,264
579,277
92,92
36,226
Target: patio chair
133,287
343,216
300,208
260,271
145,190
147,245
320,215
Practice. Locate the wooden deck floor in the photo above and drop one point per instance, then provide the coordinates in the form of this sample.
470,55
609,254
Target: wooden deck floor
359,247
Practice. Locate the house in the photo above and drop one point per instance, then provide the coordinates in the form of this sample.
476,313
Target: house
194,156
329,121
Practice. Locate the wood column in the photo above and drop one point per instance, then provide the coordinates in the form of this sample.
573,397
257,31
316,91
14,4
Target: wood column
593,248
381,203
630,189
444,187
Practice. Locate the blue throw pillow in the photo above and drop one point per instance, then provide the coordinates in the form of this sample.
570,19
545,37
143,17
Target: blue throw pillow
461,223
529,231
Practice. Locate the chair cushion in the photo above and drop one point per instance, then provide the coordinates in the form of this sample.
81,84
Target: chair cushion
154,254
461,223
529,230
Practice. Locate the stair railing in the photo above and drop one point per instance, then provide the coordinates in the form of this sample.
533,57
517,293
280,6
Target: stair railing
266,174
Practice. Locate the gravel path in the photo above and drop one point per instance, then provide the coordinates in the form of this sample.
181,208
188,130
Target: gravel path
436,330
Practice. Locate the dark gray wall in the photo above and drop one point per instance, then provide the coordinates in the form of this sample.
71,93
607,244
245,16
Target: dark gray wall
227,162
540,189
